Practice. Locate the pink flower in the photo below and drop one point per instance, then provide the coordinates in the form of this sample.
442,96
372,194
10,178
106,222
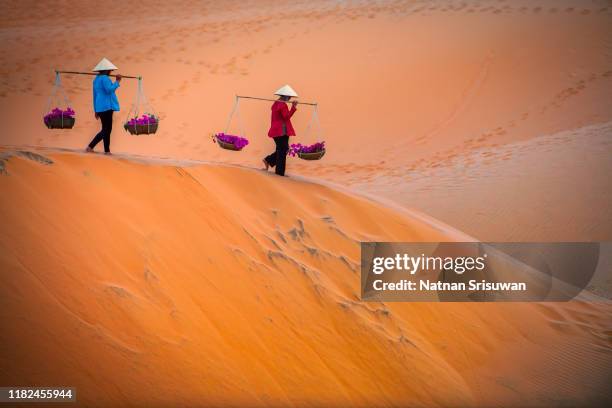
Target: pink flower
300,148
146,119
59,113
237,141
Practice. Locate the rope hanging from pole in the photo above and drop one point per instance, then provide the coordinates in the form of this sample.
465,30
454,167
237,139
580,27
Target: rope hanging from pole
236,111
58,113
232,142
149,121
314,120
141,101
57,88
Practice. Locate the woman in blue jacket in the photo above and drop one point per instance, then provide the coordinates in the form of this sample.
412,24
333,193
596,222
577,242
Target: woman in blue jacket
105,102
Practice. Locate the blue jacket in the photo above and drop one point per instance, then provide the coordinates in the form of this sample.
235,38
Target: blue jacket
104,97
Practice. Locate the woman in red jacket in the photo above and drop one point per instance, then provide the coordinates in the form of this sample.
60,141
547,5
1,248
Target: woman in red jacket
281,129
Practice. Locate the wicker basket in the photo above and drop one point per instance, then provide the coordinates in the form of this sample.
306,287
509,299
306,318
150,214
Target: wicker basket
65,122
141,129
312,156
227,146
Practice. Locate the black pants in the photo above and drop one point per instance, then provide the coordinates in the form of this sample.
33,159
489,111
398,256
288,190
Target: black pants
106,118
279,157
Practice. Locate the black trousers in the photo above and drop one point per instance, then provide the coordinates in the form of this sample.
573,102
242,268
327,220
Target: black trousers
278,159
106,118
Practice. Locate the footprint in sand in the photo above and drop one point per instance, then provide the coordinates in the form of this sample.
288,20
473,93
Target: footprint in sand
168,94
183,87
483,137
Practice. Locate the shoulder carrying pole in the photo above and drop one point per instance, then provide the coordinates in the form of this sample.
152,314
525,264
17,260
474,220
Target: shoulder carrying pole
93,73
274,100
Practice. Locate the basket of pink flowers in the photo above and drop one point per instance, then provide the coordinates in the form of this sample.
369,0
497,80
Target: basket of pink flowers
312,152
59,119
230,142
144,125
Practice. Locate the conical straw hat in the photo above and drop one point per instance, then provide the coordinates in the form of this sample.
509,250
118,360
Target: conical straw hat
105,65
286,91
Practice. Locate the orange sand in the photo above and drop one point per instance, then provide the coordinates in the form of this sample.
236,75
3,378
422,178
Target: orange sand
158,284
164,282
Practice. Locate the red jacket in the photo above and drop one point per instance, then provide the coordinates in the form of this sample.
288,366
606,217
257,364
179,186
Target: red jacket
281,115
